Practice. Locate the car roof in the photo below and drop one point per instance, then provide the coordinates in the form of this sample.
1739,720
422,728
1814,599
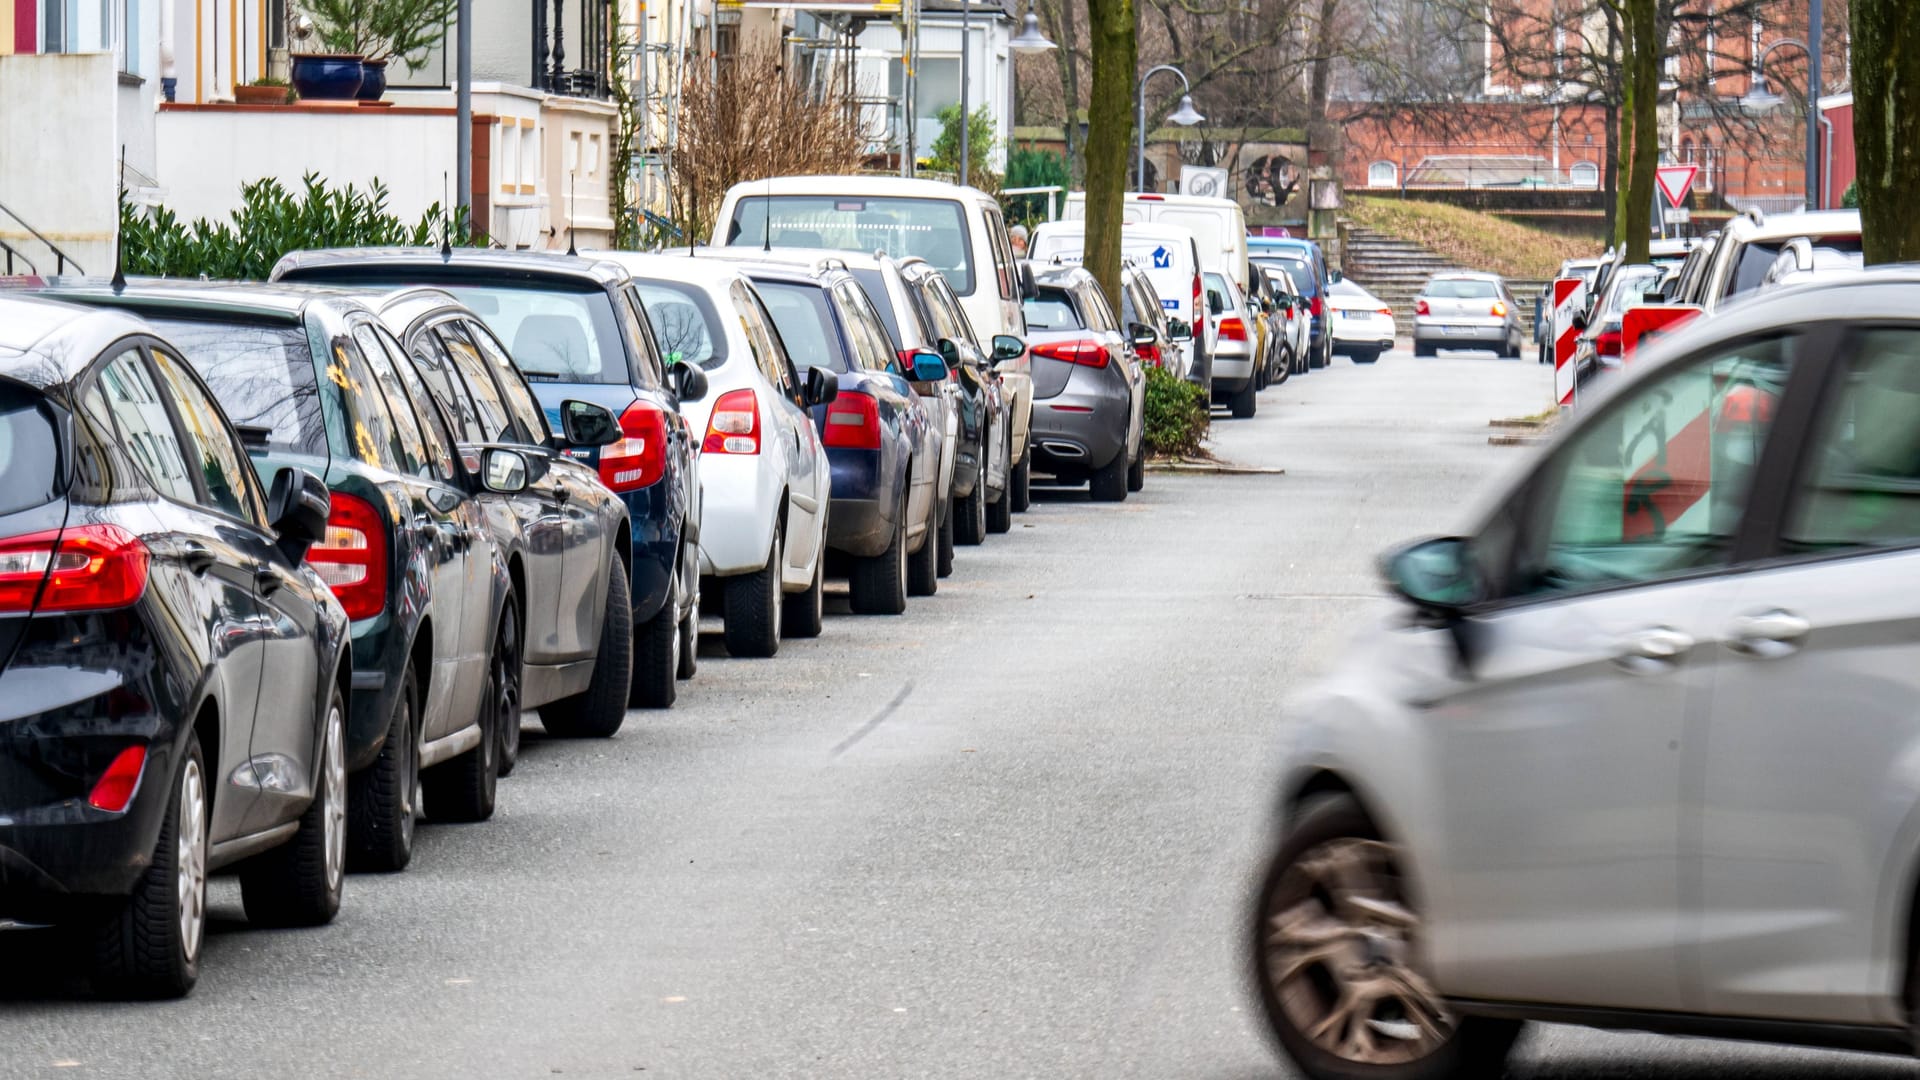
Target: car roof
1465,275
1062,276
810,257
1795,223
478,262
675,264
870,185
43,342
158,297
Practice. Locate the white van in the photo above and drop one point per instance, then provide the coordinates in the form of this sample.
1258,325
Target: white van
1219,225
959,230
1169,256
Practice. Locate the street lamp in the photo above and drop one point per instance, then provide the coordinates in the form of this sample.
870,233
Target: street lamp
1761,97
1185,116
1030,39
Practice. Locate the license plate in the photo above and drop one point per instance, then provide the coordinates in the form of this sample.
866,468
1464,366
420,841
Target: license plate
1460,329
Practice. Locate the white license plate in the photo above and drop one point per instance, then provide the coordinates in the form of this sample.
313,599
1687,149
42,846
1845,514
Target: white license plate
1460,329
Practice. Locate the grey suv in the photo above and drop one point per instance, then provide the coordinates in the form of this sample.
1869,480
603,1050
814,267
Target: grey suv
1642,748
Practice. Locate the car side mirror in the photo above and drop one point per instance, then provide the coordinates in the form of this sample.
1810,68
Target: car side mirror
298,504
1653,298
949,352
504,471
1142,336
689,382
1335,277
1437,576
1179,330
1007,347
927,367
1579,320
1215,303
1029,286
824,385
584,423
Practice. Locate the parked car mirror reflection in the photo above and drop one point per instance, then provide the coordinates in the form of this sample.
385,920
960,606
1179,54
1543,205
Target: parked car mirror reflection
584,423
824,385
1142,335
1179,330
689,382
928,367
1437,575
1007,347
298,505
503,470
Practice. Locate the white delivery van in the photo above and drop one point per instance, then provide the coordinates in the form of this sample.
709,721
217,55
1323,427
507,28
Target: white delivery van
1219,225
959,230
1169,255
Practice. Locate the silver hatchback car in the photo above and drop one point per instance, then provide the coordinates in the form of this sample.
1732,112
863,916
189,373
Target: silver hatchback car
1466,311
1642,750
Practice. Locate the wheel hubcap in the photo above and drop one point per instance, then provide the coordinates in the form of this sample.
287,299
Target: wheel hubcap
190,858
1338,941
333,819
410,810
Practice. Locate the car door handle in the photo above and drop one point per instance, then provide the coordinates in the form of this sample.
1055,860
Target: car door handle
1767,634
198,557
265,581
1657,648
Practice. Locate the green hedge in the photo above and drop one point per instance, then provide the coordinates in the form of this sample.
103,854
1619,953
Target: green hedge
1177,414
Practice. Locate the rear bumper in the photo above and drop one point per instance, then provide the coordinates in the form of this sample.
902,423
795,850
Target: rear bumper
1440,331
739,500
1230,374
1083,427
861,519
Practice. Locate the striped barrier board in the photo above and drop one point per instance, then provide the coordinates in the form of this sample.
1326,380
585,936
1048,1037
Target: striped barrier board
1569,297
1648,321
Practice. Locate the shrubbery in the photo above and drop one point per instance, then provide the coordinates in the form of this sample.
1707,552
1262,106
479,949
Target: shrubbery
270,223
1177,414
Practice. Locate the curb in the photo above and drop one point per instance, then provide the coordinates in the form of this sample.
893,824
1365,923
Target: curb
1203,468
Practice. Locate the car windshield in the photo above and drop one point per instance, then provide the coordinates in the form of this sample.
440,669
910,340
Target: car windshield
1630,286
933,229
29,450
554,334
800,312
684,322
1052,310
1298,275
1460,289
263,376
1757,258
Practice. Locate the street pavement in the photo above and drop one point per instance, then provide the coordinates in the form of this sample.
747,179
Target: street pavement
1009,834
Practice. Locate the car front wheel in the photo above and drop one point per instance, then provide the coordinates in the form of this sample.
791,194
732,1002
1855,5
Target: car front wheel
1337,951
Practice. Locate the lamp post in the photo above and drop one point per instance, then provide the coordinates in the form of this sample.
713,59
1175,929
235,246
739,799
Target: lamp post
1185,116
1762,97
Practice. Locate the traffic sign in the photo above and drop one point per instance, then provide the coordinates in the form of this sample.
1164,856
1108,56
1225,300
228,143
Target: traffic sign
1675,181
1678,215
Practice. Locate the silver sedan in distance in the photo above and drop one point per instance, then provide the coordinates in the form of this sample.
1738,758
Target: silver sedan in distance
1466,311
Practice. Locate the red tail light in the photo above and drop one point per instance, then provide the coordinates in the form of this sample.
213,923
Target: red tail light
115,788
1232,329
734,427
1387,311
1499,309
352,560
853,422
1607,343
1313,307
1085,352
1150,354
1421,307
1197,309
640,459
85,568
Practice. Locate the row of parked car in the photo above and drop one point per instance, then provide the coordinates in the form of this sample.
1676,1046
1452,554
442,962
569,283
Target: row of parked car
288,562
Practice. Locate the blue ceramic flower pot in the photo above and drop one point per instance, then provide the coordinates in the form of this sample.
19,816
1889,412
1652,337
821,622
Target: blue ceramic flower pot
373,82
328,78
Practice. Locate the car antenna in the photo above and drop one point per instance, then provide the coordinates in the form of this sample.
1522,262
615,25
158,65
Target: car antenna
119,251
446,223
572,202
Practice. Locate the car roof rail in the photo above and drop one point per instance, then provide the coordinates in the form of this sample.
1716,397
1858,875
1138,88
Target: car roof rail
831,262
1754,214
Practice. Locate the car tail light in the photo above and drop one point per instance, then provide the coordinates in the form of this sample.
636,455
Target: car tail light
1085,352
1197,309
1387,311
1151,198
115,788
1313,306
84,568
853,422
640,458
734,427
1607,343
1421,307
1232,329
1149,354
352,559
1499,309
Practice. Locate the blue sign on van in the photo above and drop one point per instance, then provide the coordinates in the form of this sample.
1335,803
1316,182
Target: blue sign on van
1162,258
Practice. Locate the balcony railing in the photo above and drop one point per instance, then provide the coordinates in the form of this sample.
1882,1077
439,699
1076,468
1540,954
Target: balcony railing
588,77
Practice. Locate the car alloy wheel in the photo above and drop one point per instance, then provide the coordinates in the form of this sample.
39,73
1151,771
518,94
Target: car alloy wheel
333,819
1338,942
190,839
506,687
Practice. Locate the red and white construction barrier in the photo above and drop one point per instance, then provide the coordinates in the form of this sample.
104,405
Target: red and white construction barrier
1569,297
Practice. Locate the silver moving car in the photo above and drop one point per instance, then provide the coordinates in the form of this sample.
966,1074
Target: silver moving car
1089,388
1642,749
1466,311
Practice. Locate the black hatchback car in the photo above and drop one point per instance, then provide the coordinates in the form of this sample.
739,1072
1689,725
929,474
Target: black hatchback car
173,677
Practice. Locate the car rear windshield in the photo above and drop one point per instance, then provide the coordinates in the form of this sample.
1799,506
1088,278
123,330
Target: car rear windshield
1757,258
1630,287
263,376
30,473
1296,270
801,314
554,334
875,285
933,229
1052,310
684,322
1460,289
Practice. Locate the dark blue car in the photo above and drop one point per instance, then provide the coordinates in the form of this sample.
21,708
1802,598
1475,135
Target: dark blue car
1306,267
883,525
576,329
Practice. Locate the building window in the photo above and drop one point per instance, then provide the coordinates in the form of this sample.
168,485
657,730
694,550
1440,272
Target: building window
1383,174
1584,174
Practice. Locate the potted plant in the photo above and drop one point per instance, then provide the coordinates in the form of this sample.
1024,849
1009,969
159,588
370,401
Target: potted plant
377,31
265,91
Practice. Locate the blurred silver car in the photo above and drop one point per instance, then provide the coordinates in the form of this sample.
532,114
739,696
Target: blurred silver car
1466,311
1641,748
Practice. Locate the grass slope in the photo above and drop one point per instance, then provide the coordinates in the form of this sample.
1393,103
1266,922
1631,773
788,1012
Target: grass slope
1468,238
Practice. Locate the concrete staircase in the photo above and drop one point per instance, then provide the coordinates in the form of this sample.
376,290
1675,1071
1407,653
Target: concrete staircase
1395,270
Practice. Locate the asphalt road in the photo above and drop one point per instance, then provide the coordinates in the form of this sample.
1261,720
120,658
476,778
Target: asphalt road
1010,834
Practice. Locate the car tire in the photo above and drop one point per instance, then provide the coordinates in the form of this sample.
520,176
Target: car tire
687,661
1020,483
946,539
752,606
1421,348
1137,471
463,789
1000,511
299,883
620,664
383,799
970,514
1365,356
1243,404
1109,482
923,566
654,675
507,728
1334,830
149,945
878,584
805,612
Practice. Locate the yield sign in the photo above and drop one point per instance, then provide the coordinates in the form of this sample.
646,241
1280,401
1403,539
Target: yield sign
1675,181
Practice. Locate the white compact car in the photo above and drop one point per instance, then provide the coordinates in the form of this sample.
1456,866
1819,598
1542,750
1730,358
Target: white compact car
764,477
1362,322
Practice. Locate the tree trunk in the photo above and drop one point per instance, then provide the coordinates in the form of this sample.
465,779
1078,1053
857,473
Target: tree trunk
1623,156
1070,83
1886,127
1645,47
1322,77
1610,197
1115,48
